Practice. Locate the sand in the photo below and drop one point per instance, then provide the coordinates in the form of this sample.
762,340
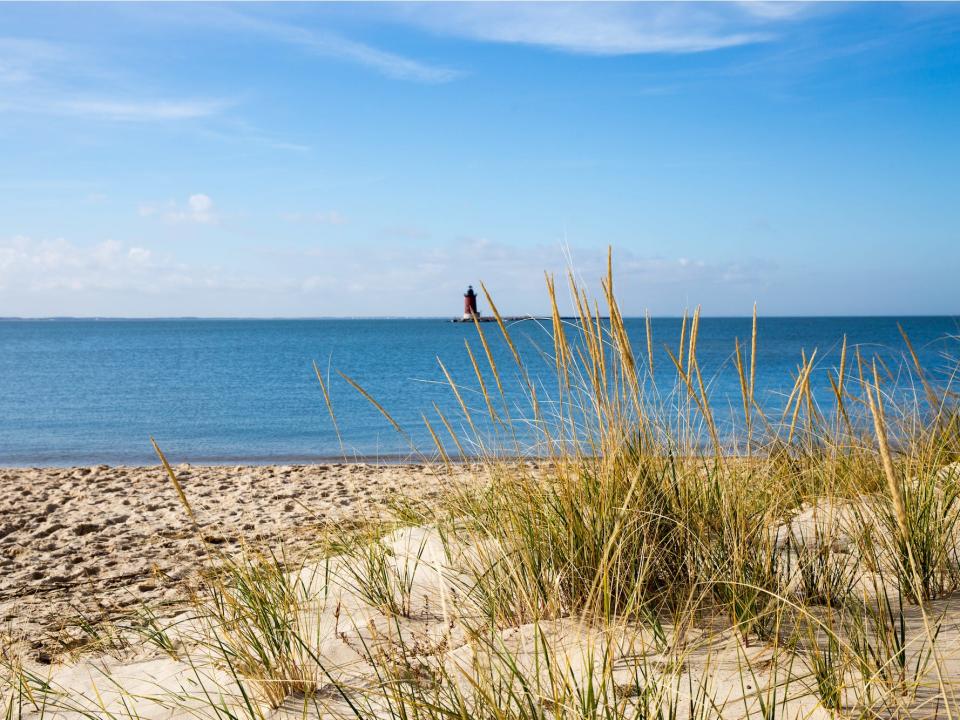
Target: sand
346,636
98,533
95,542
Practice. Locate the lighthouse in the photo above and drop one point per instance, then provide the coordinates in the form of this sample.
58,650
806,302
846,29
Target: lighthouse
471,314
470,304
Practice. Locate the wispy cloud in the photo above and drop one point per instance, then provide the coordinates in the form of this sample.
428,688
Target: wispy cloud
22,58
39,77
387,63
774,9
138,110
603,28
321,42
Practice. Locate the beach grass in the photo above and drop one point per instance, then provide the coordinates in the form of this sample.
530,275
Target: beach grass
652,561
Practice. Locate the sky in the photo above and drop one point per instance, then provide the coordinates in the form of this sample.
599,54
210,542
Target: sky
264,160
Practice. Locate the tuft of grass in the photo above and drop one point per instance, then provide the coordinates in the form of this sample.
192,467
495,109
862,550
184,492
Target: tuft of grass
384,579
924,557
99,634
153,630
826,575
828,665
892,663
252,612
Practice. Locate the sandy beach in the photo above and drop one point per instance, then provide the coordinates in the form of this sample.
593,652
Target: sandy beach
140,550
96,541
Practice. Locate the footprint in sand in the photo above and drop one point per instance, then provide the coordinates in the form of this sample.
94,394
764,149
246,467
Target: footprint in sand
48,530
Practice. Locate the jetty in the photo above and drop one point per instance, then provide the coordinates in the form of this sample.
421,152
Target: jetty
472,315
506,319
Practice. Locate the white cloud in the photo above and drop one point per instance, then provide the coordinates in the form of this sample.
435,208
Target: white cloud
774,9
140,256
113,109
60,275
22,58
388,63
322,42
135,110
41,265
57,277
601,28
44,77
49,277
199,208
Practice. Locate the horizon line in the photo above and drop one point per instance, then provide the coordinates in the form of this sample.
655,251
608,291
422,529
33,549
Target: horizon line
445,318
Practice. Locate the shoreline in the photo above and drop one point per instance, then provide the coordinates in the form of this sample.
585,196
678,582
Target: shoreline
319,461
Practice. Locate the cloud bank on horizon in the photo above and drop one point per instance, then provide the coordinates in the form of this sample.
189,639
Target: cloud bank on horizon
297,160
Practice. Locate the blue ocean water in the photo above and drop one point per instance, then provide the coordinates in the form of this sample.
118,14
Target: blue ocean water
244,391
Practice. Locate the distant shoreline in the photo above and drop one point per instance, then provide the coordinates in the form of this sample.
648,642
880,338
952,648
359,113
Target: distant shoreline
440,318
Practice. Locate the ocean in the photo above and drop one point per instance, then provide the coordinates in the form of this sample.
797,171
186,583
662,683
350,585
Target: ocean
82,392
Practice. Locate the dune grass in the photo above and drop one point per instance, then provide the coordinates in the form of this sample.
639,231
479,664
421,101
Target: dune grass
770,567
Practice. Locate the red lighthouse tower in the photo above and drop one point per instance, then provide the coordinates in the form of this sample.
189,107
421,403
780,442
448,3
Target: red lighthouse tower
470,304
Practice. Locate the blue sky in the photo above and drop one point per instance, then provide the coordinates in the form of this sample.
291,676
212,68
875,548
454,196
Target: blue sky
370,159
